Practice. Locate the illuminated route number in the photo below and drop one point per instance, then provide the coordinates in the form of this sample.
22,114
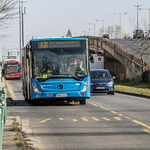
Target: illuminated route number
43,44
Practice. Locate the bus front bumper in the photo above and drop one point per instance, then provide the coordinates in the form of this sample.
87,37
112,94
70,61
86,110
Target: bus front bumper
58,95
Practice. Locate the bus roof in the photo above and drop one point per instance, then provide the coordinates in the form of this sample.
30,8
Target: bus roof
65,38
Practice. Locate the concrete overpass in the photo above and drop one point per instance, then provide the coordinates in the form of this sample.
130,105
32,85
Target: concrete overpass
119,61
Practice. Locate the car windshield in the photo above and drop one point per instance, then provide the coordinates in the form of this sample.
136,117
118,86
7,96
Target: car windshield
105,35
100,74
56,63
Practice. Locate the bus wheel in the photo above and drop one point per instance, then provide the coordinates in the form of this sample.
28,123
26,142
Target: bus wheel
83,102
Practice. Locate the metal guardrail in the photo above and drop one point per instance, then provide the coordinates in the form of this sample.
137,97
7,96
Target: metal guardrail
3,112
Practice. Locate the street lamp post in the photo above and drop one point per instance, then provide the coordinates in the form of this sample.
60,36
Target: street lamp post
120,22
103,25
20,30
21,26
149,14
137,14
94,27
0,52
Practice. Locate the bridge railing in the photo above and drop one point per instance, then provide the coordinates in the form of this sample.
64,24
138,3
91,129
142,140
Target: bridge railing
3,113
138,61
126,53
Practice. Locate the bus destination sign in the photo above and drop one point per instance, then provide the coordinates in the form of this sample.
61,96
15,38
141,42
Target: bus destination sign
58,44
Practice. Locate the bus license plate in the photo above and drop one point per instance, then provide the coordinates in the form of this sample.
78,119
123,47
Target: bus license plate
100,87
61,95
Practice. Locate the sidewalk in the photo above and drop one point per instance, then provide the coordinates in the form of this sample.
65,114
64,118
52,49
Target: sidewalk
12,138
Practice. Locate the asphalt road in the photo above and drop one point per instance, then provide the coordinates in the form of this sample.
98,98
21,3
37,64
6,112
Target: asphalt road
108,122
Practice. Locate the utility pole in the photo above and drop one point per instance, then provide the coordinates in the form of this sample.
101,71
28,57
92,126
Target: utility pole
137,15
20,30
0,51
23,12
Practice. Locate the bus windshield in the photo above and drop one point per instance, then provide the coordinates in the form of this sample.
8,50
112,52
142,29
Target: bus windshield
12,69
59,63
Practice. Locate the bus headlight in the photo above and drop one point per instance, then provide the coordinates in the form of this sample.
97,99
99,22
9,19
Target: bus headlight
35,88
86,86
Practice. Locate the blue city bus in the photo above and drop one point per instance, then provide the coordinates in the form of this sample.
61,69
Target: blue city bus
56,69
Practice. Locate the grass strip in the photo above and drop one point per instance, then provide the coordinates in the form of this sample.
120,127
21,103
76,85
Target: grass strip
133,86
8,93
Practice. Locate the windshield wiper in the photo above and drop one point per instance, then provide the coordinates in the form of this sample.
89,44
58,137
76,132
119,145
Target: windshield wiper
76,78
42,79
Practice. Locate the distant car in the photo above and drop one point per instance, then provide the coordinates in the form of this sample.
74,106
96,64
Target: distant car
106,36
138,34
102,81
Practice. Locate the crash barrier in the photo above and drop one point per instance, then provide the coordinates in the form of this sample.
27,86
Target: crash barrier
3,112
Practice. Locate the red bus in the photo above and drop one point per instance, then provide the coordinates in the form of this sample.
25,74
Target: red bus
12,70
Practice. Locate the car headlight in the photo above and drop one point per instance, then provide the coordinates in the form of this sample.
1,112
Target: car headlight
110,83
91,83
86,86
35,88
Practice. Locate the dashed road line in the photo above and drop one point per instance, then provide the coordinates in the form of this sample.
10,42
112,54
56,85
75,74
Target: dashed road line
75,120
105,118
84,119
118,118
61,118
114,112
95,119
105,108
121,115
45,120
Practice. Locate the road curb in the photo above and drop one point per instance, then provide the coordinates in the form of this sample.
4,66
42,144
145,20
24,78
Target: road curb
11,91
133,94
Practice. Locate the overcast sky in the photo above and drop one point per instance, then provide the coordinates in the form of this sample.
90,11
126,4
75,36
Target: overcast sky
53,18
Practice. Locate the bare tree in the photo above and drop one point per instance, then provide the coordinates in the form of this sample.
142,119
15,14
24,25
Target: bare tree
101,32
113,31
144,23
8,11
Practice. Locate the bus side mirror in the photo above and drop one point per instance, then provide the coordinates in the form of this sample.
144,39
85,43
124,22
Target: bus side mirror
92,59
113,77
